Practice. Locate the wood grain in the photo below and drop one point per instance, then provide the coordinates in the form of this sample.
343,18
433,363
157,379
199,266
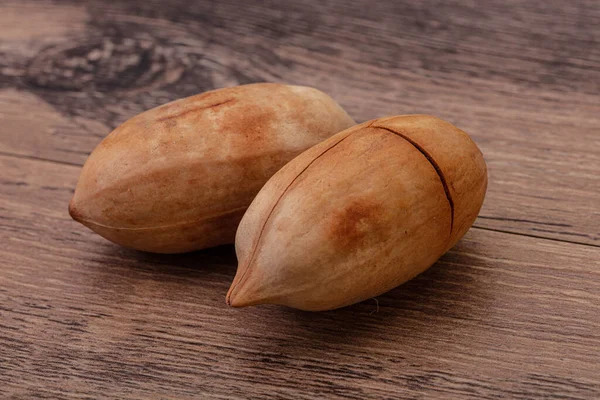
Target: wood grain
499,314
512,311
521,79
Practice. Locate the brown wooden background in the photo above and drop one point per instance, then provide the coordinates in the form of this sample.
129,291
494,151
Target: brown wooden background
513,311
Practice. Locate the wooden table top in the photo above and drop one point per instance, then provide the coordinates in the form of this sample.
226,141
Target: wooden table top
512,311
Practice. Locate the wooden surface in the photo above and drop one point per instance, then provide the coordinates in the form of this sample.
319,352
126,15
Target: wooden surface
513,311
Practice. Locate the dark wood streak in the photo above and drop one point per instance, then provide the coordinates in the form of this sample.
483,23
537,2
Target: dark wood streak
524,220
476,226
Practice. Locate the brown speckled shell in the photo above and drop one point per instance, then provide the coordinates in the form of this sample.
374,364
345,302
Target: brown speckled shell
180,176
359,214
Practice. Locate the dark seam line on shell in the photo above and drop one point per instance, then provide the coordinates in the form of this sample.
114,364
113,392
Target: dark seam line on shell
167,117
245,274
435,165
141,228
